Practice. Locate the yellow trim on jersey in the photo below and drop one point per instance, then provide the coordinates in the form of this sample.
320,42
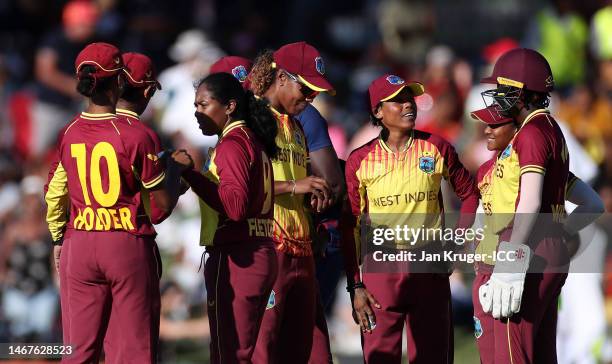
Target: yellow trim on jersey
509,343
154,182
532,168
406,147
311,86
532,115
125,112
115,126
231,126
101,116
70,126
509,82
57,203
275,112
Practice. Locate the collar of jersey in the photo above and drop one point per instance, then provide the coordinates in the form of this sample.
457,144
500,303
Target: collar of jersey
231,126
533,114
101,116
386,147
129,113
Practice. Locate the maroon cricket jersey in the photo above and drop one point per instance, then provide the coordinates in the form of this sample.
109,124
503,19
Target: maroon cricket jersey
236,190
105,162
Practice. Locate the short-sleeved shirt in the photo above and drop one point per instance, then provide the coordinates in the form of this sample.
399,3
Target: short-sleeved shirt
104,162
291,220
315,129
403,188
538,147
238,189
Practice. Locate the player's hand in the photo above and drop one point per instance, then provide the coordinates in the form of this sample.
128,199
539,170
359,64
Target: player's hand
57,252
364,316
321,194
183,159
572,241
502,294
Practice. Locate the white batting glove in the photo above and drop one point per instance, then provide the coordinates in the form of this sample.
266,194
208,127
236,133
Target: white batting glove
502,294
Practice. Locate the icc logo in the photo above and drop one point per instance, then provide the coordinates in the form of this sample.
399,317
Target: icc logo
395,80
240,73
319,65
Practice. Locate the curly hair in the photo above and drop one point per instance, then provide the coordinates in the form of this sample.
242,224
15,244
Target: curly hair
262,74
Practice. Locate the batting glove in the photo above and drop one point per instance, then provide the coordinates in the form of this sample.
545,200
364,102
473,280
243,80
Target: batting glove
501,295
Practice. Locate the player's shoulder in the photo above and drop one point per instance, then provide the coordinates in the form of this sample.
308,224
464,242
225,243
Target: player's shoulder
358,154
240,138
437,141
485,168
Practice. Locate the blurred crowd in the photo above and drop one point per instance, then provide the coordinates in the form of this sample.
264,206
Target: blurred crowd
447,45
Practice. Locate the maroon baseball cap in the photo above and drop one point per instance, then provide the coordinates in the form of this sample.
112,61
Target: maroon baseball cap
239,67
139,70
304,61
388,86
522,68
104,56
490,115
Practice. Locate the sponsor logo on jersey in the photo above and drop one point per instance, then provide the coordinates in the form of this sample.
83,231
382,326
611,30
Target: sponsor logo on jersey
319,65
240,73
395,80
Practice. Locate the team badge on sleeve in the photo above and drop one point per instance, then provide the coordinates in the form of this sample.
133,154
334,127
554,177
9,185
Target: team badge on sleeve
395,80
240,73
507,152
427,163
477,328
271,300
319,65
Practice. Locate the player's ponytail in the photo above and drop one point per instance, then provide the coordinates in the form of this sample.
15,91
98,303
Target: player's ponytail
86,80
263,73
224,87
88,84
262,122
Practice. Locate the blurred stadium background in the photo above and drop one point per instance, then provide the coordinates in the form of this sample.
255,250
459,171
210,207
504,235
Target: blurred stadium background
446,44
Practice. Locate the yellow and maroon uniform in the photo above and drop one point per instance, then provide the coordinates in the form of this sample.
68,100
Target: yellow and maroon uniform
528,336
287,327
109,257
236,193
403,188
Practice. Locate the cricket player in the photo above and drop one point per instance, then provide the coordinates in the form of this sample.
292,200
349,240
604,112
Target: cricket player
236,194
289,78
526,185
396,179
323,162
108,256
501,132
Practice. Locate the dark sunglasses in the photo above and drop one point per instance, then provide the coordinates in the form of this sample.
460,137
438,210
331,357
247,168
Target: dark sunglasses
304,89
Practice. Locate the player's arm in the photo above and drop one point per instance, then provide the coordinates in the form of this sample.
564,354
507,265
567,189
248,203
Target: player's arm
324,163
57,200
47,72
323,159
589,205
231,196
162,181
462,182
361,299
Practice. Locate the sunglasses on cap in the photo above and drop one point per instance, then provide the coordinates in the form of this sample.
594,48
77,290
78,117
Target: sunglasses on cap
304,89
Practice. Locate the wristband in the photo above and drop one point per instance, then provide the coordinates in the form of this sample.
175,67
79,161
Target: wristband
351,287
